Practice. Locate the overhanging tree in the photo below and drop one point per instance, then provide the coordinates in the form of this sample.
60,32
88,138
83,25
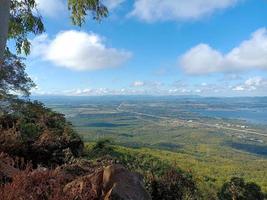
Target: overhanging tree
4,20
18,18
13,77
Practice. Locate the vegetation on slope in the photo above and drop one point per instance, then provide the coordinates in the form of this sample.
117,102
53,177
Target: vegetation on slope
37,134
160,164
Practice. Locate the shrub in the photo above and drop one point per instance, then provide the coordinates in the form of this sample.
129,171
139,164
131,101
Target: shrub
29,131
172,186
238,189
38,134
101,148
40,184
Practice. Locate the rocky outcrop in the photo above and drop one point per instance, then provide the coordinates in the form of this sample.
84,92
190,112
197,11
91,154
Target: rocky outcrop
81,180
120,184
110,183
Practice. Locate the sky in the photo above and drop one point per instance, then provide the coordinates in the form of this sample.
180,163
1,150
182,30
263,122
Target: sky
153,47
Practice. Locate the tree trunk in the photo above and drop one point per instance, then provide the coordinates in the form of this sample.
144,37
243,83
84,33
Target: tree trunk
4,20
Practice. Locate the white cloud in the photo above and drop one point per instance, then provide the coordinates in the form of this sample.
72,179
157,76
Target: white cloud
250,54
99,92
162,10
238,88
201,59
252,84
138,83
78,51
113,4
51,8
87,92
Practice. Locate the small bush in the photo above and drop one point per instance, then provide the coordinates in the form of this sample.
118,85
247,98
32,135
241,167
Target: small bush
101,148
29,131
238,189
172,186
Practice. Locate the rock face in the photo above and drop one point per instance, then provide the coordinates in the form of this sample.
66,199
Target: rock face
119,183
82,180
111,183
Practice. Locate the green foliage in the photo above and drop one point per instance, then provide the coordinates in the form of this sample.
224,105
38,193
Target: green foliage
13,77
24,20
103,146
32,118
29,131
38,134
79,10
157,165
172,186
237,189
162,180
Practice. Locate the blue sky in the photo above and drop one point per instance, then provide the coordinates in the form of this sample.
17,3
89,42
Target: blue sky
172,47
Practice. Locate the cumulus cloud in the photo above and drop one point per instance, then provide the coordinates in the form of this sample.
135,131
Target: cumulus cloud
158,10
78,50
51,8
250,54
201,59
252,84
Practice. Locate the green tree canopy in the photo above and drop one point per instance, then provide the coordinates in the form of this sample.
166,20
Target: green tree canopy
13,78
238,189
80,9
25,19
